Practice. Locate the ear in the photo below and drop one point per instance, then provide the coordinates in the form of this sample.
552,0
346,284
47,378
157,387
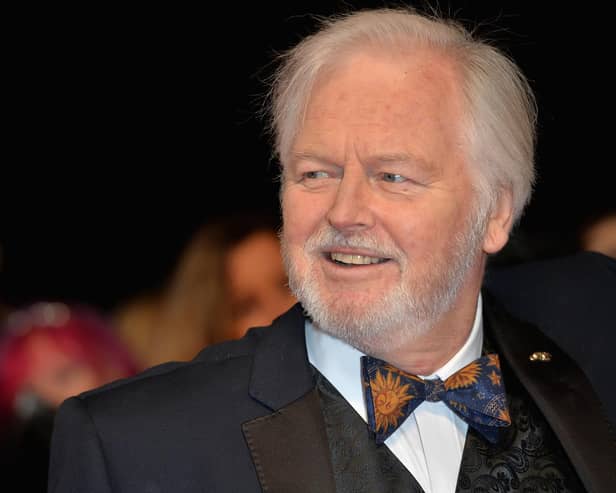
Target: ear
499,224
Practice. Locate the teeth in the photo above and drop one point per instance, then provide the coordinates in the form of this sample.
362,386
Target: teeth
355,259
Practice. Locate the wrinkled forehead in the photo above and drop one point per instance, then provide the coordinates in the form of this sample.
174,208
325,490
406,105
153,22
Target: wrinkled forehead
417,89
384,106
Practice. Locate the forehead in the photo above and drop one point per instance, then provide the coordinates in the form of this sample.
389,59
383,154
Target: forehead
393,98
418,74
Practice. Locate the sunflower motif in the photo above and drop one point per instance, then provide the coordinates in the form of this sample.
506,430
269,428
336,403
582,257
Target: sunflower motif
465,377
389,396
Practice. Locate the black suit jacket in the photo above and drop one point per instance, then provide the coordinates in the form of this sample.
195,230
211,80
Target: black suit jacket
244,417
573,300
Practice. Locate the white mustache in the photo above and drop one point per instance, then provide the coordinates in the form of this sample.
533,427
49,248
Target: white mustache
327,238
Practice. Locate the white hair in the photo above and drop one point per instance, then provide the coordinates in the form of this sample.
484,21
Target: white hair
500,107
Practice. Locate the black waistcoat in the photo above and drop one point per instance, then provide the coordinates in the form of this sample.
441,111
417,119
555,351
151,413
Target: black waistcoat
528,458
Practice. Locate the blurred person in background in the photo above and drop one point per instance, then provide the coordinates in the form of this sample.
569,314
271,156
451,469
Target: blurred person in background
48,352
228,278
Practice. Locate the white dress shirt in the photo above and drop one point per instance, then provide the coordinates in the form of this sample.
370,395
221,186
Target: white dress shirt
431,440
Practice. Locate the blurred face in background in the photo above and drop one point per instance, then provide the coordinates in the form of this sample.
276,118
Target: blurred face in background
51,352
600,236
54,375
257,283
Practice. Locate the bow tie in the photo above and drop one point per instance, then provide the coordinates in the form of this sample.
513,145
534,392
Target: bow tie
475,393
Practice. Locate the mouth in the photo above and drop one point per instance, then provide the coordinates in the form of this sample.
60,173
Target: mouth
354,260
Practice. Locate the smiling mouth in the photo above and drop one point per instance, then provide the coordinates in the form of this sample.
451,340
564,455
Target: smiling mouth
354,260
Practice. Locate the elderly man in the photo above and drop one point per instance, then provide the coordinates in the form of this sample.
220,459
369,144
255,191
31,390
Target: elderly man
406,149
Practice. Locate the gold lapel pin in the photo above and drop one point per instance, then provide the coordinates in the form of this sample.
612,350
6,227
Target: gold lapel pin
542,356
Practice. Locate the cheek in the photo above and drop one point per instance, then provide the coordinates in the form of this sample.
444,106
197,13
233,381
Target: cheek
302,213
421,232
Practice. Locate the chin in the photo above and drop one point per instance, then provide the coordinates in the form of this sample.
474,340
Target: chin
367,322
374,322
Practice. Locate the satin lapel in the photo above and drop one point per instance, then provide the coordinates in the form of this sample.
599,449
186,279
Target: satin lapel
564,395
289,446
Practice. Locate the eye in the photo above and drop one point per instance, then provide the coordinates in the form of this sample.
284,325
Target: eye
393,178
315,175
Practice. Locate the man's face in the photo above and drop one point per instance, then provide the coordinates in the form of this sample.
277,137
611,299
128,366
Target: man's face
377,198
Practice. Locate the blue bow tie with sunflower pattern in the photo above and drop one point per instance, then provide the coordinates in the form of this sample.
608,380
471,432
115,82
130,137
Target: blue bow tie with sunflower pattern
475,393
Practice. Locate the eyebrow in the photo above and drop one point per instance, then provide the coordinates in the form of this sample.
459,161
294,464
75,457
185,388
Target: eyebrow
404,158
309,156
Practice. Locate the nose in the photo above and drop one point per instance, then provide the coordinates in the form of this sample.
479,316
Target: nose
351,210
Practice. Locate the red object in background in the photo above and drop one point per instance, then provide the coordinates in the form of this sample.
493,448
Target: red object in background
50,351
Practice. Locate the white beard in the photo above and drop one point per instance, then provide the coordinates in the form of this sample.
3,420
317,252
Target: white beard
404,312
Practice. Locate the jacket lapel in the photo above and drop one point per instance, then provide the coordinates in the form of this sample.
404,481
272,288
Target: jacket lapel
289,446
564,395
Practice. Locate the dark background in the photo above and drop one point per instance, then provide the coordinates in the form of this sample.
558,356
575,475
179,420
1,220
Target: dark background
127,128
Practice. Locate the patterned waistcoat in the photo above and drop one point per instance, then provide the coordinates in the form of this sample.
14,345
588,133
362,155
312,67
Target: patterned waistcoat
528,458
